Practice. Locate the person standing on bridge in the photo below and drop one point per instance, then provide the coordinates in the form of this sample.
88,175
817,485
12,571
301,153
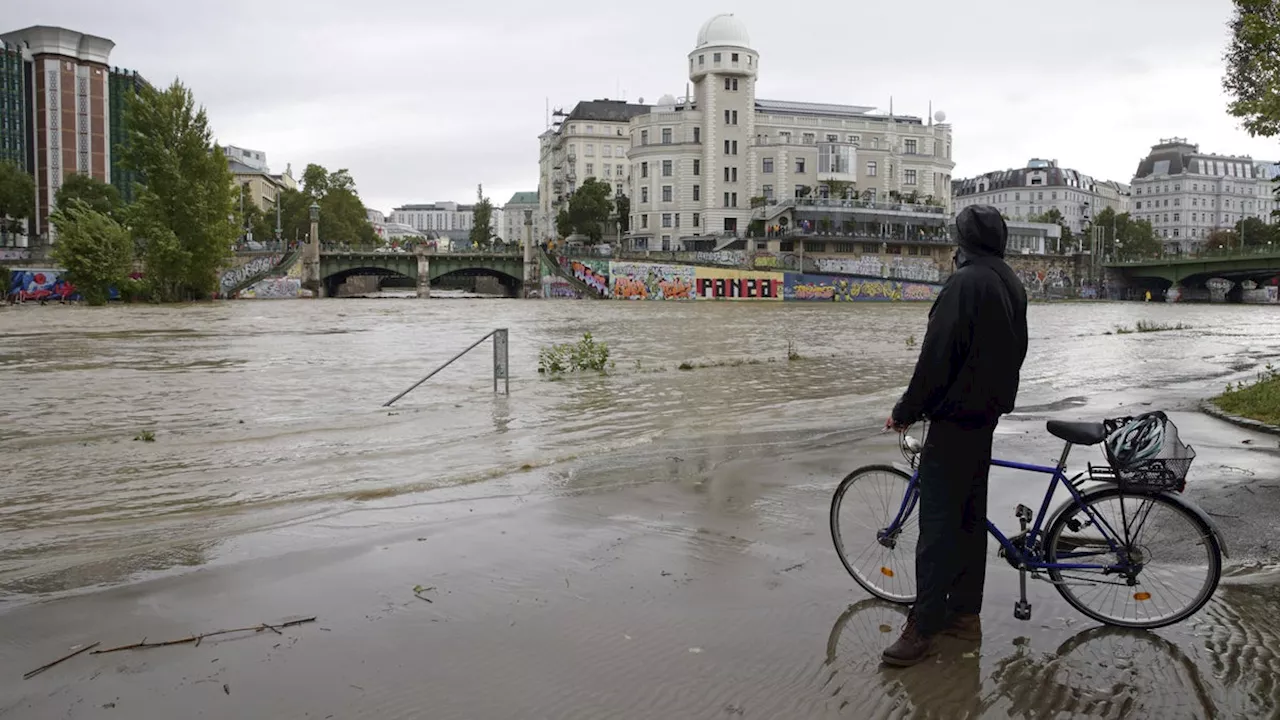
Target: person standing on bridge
965,378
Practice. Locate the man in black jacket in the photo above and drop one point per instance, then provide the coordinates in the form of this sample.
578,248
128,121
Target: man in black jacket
965,379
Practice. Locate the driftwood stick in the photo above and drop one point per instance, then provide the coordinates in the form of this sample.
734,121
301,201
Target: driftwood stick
198,638
42,668
272,629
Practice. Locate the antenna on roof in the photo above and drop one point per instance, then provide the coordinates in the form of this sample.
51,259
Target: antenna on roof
930,113
890,107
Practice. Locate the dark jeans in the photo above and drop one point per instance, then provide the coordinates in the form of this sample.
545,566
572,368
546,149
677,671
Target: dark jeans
951,558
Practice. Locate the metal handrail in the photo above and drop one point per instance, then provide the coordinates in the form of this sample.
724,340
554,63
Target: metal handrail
499,364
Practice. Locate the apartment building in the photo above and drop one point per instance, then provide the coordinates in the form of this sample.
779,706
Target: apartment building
1029,192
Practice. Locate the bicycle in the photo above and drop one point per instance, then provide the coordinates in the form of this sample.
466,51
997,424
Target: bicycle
1058,547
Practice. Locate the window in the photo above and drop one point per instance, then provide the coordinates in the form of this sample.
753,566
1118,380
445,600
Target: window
644,194
644,221
666,193
608,170
726,200
909,177
733,177
1177,217
734,198
573,150
591,129
735,148
666,168
909,146
702,60
591,169
1053,195
833,138
799,191
619,169
871,169
697,193
697,219
1017,197
784,137
855,139
731,83
666,136
734,57
726,173
677,217
735,118
644,169
767,165
618,187
697,166
767,192
591,150
606,150
715,57
726,117
726,147
809,138
666,220
799,165
697,134
644,137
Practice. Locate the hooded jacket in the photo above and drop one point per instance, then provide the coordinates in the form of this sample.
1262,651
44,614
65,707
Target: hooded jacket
972,354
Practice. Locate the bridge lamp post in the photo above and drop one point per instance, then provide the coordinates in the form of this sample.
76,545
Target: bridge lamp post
315,222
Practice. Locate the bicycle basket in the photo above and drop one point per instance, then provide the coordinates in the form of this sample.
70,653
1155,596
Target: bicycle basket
1166,471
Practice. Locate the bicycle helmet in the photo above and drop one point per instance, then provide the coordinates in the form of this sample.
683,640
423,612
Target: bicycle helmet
1136,441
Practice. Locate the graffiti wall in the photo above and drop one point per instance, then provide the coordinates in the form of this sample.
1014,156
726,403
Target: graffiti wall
554,286
909,268
11,253
724,284
728,258
39,284
864,289
764,260
281,288
595,273
650,281
801,286
236,275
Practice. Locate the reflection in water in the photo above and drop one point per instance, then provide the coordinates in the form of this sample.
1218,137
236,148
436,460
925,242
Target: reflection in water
265,413
1227,668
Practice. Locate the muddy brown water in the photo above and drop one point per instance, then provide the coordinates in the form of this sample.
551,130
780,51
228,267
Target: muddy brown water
269,436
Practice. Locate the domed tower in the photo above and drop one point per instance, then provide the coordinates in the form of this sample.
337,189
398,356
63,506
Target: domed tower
723,68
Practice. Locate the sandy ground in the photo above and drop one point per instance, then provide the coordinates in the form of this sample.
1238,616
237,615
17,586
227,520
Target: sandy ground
691,583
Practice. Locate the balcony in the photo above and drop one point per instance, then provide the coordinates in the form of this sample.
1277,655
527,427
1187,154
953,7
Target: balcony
878,206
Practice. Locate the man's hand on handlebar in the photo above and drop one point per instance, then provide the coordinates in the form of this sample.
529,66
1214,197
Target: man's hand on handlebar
889,424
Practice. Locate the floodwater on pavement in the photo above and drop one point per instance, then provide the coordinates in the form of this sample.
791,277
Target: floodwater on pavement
139,441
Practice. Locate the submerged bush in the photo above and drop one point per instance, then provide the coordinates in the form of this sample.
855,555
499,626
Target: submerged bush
581,356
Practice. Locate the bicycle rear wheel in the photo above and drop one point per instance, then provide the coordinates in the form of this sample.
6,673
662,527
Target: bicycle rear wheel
865,503
1173,557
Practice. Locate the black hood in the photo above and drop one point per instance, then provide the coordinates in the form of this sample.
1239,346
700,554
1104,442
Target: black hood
982,231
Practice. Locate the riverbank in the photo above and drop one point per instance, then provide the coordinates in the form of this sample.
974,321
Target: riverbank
1257,403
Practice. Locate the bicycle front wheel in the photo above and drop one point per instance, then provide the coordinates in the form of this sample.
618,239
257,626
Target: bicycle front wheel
1168,564
864,506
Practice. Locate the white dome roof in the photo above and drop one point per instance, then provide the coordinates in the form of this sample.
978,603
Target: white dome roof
724,29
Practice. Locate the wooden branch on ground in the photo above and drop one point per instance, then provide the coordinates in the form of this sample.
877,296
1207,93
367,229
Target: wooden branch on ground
198,638
42,668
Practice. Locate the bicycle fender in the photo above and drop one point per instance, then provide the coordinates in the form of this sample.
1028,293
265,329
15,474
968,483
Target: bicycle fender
1174,498
1194,509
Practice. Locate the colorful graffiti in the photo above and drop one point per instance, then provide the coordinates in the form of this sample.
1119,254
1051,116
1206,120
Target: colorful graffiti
280,288
724,284
800,286
236,275
594,273
1044,280
650,281
899,268
554,286
859,290
26,285
764,260
728,258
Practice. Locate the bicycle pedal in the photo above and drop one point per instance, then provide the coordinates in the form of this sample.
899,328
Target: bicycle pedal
1022,610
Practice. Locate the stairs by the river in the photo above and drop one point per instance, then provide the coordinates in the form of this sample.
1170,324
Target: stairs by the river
280,268
567,274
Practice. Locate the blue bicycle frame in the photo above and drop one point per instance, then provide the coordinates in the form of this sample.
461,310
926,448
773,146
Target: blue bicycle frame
1019,555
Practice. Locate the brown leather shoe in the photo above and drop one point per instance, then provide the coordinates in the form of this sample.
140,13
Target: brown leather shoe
911,647
965,627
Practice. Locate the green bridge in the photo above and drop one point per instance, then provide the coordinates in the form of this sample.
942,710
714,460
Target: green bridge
1193,272
336,266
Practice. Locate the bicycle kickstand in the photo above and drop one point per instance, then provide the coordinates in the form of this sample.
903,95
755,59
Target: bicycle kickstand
1022,608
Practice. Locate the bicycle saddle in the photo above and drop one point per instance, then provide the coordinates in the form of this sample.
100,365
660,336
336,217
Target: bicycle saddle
1077,433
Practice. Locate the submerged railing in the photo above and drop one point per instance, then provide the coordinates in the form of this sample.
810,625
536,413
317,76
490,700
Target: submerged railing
500,365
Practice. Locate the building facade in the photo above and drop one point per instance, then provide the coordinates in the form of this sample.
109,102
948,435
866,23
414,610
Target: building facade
513,217
1022,194
592,140
1187,194
445,219
255,159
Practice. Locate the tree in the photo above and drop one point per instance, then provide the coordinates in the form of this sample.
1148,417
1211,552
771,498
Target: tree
1253,232
95,250
253,219
17,198
184,213
840,189
343,217
590,209
1054,217
622,208
482,218
1136,239
564,224
99,196
1253,66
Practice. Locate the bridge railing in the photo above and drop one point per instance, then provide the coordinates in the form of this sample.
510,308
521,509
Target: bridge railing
1213,254
500,365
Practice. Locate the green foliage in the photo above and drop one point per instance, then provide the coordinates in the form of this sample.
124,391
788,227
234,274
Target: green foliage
17,197
254,219
564,224
1253,66
145,436
622,208
840,189
343,217
96,252
482,217
1147,326
590,209
101,197
1125,238
183,219
1258,400
581,356
792,353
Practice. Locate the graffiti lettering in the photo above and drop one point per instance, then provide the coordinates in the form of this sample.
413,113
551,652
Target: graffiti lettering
595,278
272,289
650,281
814,292
730,258
233,277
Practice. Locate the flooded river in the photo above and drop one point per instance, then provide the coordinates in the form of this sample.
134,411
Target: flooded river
270,412
647,544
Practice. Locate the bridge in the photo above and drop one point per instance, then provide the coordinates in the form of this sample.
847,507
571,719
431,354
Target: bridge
423,268
1260,266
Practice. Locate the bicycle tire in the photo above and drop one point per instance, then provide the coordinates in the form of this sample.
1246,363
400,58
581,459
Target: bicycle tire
1053,534
837,536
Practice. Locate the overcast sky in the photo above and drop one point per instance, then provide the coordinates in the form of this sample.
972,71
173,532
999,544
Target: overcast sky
423,100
